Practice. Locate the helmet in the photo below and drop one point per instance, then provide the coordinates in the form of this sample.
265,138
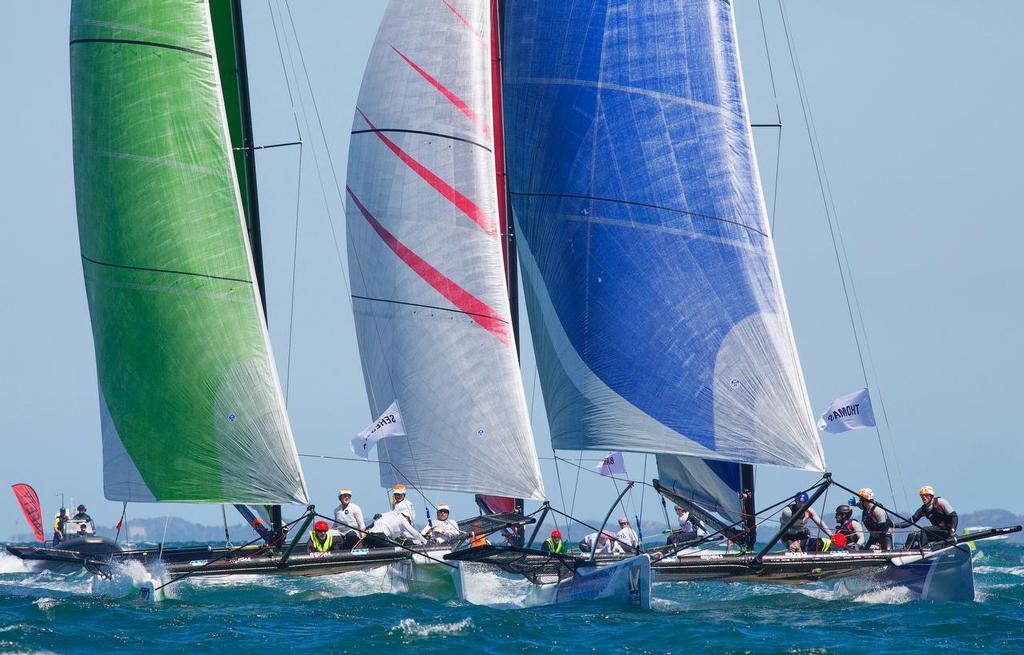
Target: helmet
398,489
81,508
623,519
344,491
801,497
853,501
556,533
844,511
321,526
443,508
866,494
927,490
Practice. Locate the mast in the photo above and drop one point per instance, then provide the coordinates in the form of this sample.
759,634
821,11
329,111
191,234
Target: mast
229,38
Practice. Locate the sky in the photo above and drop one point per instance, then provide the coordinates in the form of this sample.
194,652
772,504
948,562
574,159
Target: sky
917,107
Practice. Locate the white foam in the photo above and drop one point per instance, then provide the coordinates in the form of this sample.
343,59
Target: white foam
11,564
887,596
45,603
1011,570
412,628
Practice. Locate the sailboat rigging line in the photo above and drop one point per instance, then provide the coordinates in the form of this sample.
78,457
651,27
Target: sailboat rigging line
589,470
777,125
832,218
634,203
268,147
593,551
291,297
576,485
778,119
490,317
150,44
451,137
167,520
227,535
573,519
224,556
377,461
165,270
822,487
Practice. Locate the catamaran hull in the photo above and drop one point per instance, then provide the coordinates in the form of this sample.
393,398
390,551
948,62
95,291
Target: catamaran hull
627,581
946,574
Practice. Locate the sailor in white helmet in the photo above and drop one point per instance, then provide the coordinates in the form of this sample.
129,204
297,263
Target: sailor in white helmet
348,520
399,503
442,529
391,527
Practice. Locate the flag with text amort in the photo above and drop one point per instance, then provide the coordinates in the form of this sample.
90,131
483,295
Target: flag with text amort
29,501
850,412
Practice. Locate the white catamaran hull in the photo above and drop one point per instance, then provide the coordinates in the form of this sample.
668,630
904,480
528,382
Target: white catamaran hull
627,581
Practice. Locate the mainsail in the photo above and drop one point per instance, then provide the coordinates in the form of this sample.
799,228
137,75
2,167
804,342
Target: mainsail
190,402
654,296
425,256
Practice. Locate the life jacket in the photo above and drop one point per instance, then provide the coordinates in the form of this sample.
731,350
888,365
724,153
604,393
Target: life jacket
848,530
937,515
800,526
553,547
478,540
874,526
321,546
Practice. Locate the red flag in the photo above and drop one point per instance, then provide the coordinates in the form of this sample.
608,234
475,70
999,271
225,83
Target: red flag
29,501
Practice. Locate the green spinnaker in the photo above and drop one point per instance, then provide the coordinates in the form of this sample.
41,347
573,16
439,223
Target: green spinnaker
190,402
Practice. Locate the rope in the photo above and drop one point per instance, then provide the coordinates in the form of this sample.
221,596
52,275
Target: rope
295,261
377,461
832,218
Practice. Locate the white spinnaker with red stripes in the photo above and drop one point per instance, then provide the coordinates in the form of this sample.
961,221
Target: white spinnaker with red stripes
425,259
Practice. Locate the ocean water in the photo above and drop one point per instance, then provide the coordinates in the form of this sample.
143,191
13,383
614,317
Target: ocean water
373,611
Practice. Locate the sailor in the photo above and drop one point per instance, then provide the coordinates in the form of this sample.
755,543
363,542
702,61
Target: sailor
477,538
798,537
320,539
443,529
81,515
399,503
83,529
59,522
939,512
626,535
688,526
875,519
554,543
392,527
348,520
854,534
605,543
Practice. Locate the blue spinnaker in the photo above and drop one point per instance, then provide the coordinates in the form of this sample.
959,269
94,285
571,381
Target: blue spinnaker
654,296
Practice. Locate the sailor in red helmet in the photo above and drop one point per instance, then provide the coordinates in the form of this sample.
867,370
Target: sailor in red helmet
554,543
320,539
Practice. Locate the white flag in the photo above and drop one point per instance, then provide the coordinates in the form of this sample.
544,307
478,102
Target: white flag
388,425
850,412
612,464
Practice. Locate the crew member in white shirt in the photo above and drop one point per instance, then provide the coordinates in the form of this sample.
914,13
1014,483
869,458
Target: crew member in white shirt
348,520
399,503
392,527
443,529
626,535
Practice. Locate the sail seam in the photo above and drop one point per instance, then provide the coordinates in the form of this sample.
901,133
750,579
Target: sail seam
425,133
416,304
164,270
153,44
641,204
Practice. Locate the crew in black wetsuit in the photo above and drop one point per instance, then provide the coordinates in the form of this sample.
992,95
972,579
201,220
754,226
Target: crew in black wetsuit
798,537
875,520
856,537
940,514
81,515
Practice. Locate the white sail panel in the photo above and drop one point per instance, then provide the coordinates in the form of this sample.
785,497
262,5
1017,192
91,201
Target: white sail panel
424,244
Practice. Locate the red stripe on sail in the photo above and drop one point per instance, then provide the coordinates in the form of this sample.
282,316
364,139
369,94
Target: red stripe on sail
447,93
465,22
465,205
464,300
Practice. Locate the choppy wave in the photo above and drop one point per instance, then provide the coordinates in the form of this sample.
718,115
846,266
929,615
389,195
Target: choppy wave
410,627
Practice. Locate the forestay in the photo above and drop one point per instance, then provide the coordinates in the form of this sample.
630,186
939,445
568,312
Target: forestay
654,296
190,403
425,259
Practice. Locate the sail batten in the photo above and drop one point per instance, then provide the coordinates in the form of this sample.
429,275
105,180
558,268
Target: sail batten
191,408
654,297
425,258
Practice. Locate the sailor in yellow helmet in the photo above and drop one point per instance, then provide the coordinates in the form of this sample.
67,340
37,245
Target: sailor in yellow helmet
401,504
940,514
442,529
